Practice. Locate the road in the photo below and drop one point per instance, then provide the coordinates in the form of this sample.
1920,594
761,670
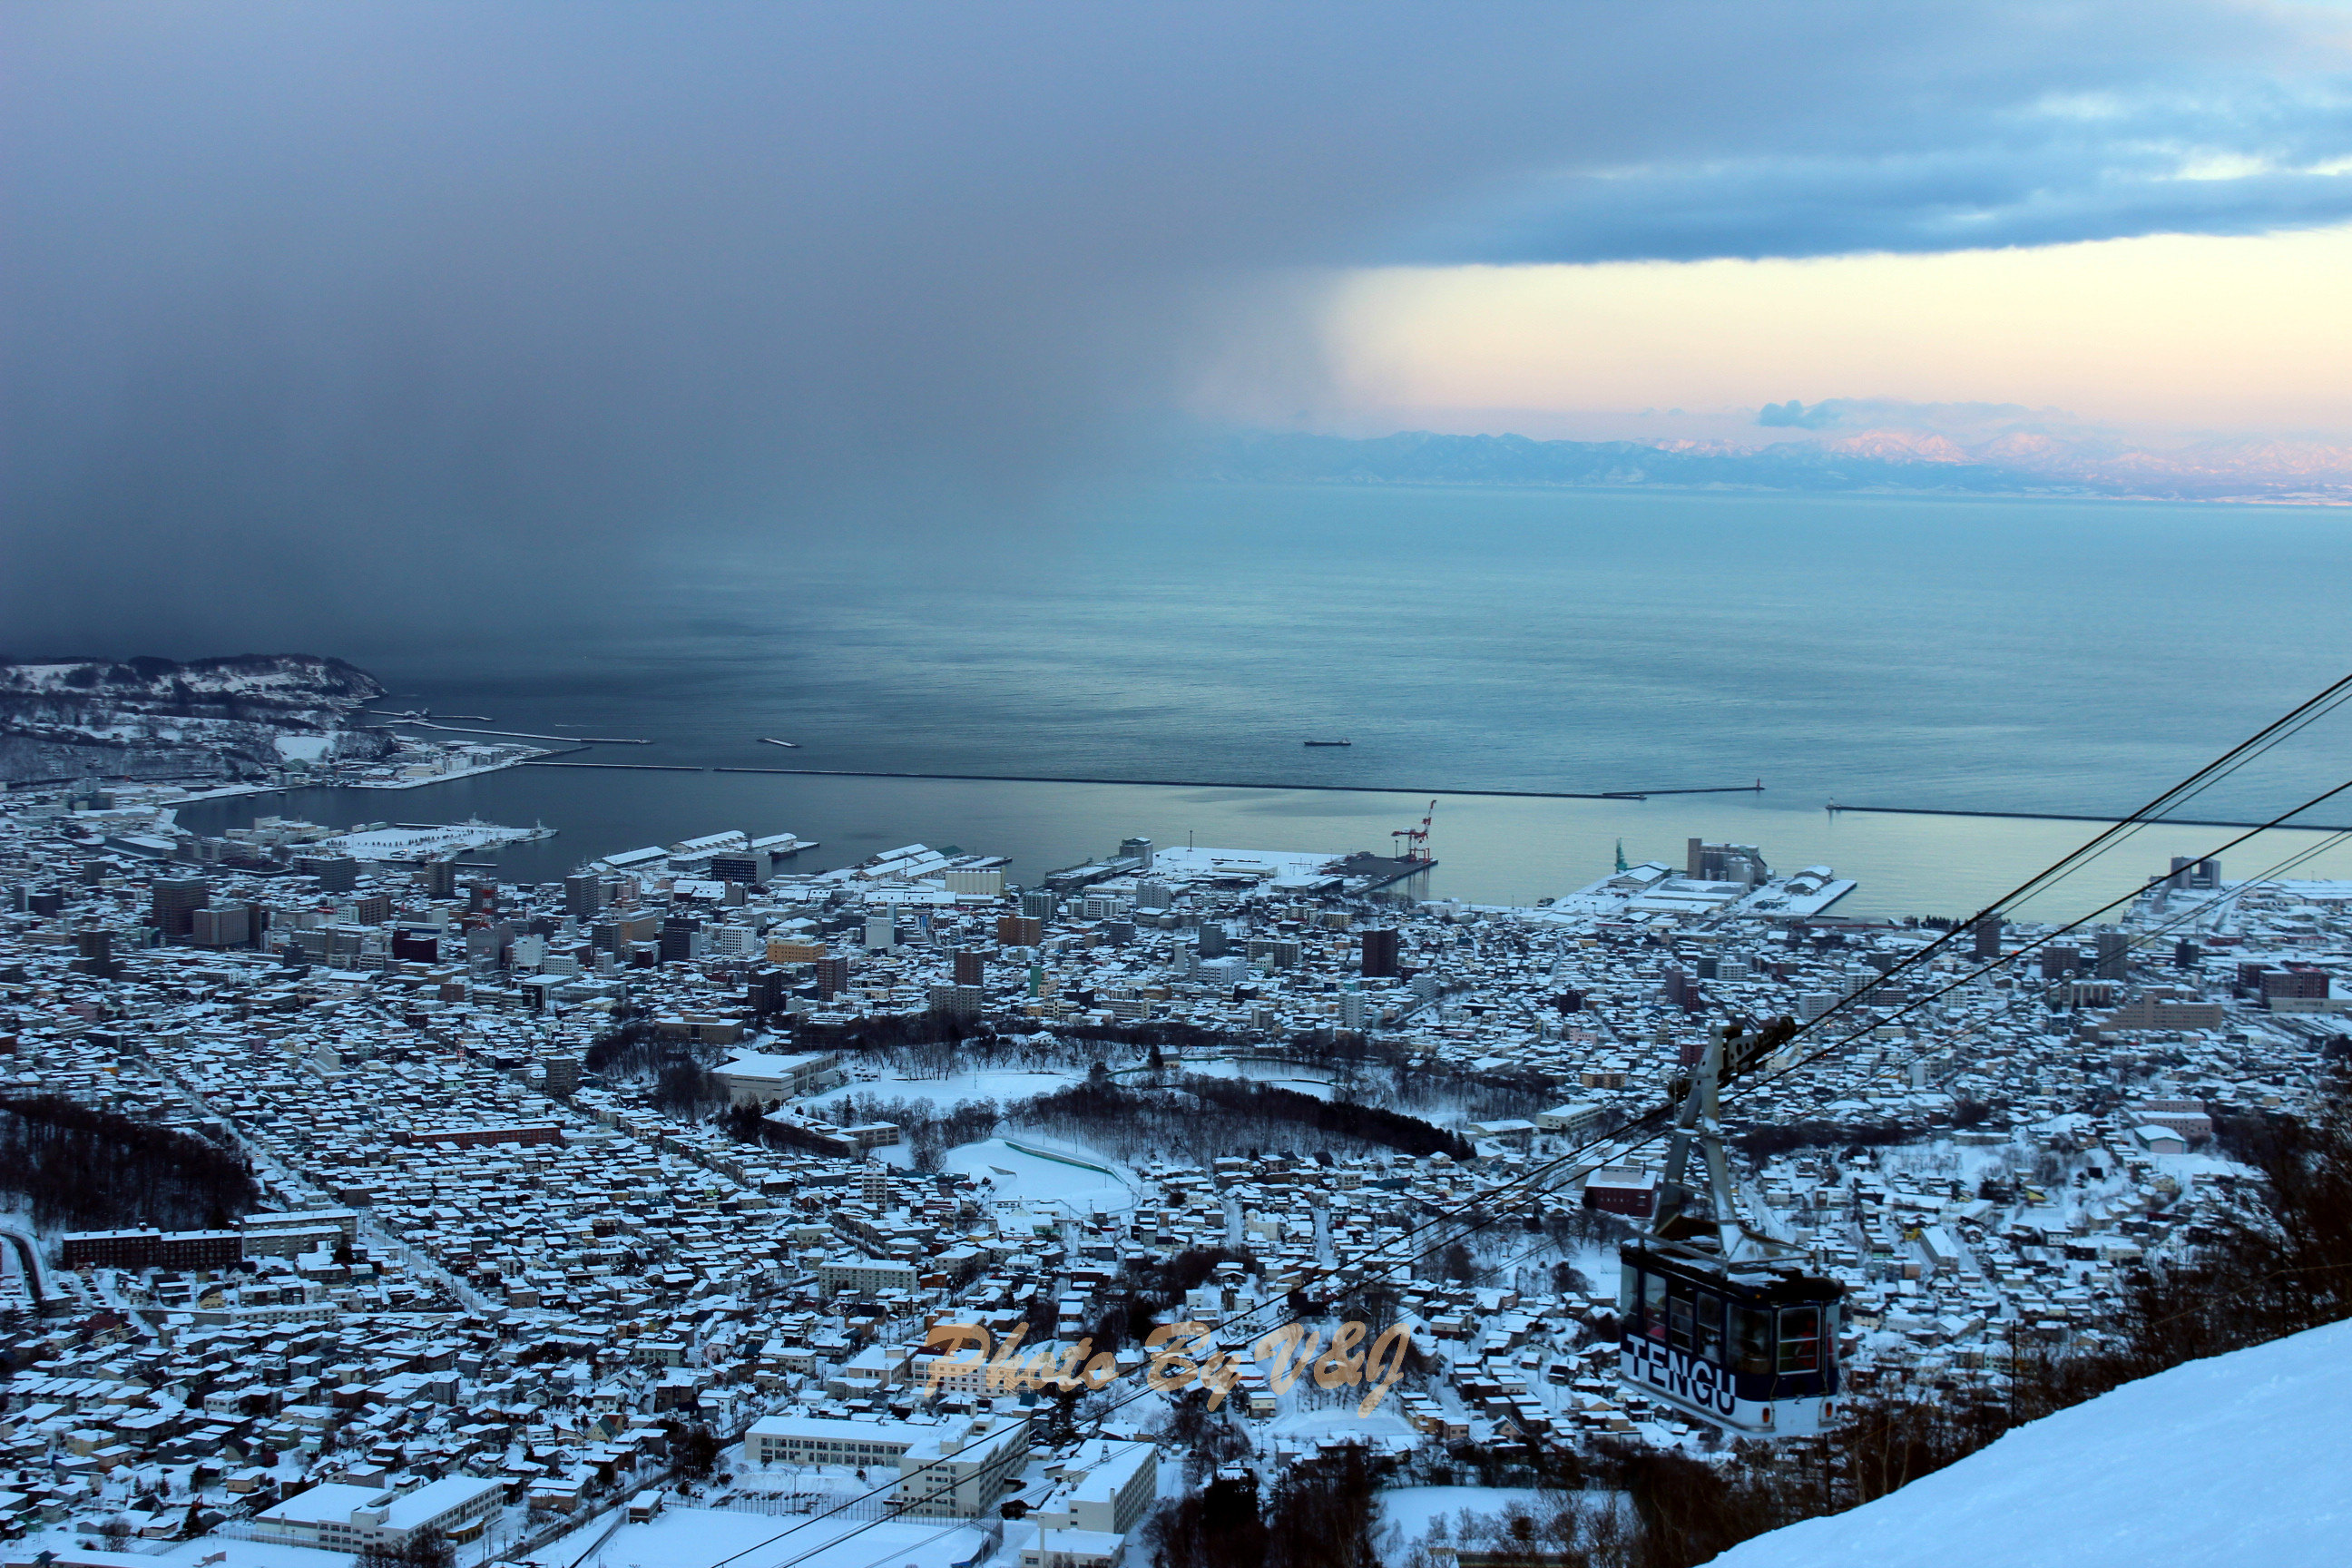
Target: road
28,1254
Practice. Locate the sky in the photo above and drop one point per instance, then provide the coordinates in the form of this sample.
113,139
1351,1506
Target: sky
318,316
2164,332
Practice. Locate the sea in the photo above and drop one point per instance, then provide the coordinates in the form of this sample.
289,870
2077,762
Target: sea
1938,655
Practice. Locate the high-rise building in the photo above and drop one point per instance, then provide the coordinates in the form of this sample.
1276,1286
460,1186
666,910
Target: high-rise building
743,868
2059,962
486,945
2114,952
682,939
1213,939
94,954
832,977
583,896
1152,894
336,873
2302,982
964,1002
439,879
734,942
415,944
1040,903
881,931
971,968
1987,933
228,926
562,1074
1019,930
174,902
1380,956
1137,850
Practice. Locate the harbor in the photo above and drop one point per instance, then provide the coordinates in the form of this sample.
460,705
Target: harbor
1756,788
1493,849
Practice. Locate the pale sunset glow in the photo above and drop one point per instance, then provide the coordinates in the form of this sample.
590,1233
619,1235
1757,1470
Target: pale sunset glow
2184,330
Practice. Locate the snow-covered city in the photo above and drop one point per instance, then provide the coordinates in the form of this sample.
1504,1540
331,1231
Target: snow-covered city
635,1216
1345,783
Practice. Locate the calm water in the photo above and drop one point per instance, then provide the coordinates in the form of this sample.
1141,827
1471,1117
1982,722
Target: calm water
1985,655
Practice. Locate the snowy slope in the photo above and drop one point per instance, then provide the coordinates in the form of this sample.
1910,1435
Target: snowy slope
2243,1460
158,717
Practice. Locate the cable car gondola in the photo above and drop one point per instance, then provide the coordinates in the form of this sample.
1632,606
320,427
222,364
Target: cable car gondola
1721,1321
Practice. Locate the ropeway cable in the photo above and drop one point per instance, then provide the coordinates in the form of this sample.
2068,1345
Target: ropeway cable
2272,734
1503,1200
2043,941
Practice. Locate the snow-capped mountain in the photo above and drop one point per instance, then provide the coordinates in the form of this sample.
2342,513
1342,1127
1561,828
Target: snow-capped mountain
2029,456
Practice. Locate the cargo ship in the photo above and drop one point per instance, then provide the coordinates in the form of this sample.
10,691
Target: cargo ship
1326,742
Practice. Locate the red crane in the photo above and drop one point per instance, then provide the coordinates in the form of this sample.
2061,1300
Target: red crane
1416,839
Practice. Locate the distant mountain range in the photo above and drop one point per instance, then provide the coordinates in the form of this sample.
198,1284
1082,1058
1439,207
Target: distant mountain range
2013,462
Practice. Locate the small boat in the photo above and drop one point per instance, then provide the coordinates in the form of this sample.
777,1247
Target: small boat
771,740
1326,742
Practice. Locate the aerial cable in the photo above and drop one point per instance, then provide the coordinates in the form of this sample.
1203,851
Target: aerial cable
2290,863
1839,1044
1503,1198
2291,724
2272,734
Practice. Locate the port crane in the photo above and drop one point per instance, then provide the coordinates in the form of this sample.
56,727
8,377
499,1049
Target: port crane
1416,839
1722,1321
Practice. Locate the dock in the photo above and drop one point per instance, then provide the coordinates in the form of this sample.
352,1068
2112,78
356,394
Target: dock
1366,872
1235,784
1834,808
523,734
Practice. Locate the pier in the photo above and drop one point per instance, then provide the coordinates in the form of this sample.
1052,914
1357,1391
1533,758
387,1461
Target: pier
523,734
1232,784
1834,808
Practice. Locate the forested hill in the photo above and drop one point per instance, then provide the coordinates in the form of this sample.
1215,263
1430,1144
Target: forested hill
150,717
84,1169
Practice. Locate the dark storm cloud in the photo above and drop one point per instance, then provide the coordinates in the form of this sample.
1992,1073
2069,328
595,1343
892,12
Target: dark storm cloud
342,321
1981,199
2194,147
